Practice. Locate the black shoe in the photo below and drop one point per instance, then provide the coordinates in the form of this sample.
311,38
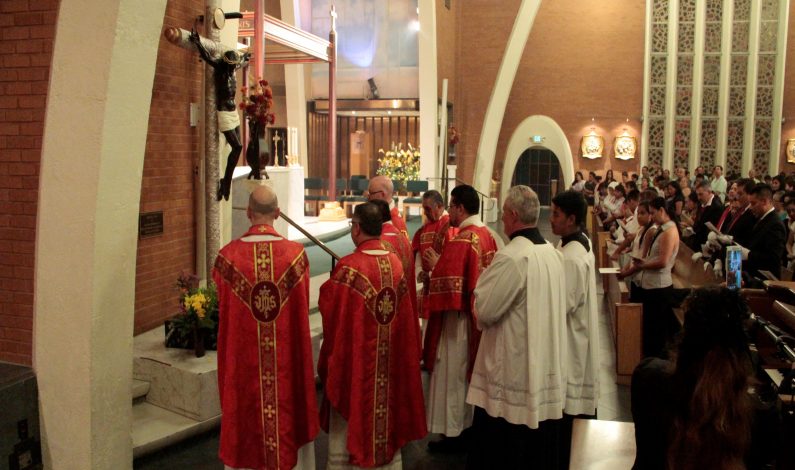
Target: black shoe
448,445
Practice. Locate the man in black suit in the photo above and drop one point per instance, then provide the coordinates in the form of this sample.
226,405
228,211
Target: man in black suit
766,244
743,222
709,210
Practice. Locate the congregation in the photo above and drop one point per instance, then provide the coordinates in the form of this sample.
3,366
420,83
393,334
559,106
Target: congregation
508,334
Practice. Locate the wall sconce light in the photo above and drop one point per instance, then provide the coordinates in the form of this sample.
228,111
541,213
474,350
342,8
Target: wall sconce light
592,144
790,150
625,146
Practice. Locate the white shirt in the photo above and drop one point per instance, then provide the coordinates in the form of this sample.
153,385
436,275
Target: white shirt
520,369
582,321
718,186
658,278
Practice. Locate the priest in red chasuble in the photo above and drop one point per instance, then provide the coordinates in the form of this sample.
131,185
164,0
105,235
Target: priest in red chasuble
369,360
382,188
432,236
395,242
452,337
265,377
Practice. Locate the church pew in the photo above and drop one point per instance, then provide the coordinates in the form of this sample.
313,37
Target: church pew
626,322
626,318
687,273
602,258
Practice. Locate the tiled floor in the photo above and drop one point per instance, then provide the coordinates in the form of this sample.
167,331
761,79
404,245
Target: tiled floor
200,453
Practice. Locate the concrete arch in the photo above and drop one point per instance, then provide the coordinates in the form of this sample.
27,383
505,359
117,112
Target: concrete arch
554,140
92,160
495,111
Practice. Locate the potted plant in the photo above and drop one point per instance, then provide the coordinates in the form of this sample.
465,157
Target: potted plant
196,326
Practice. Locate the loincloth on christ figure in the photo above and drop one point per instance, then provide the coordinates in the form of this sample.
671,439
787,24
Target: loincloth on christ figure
228,120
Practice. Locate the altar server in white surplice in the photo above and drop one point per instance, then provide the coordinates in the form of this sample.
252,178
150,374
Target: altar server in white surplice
519,380
567,219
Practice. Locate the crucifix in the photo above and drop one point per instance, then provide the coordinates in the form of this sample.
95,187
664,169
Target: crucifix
215,51
276,140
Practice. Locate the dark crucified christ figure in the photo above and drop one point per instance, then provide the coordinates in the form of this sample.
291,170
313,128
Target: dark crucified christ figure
228,120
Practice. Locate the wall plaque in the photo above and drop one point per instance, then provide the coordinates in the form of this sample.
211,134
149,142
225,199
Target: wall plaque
150,224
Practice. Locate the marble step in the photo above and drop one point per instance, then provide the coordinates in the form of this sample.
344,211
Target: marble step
155,428
139,390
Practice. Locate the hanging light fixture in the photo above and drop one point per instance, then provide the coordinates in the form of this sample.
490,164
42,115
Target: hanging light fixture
625,145
592,144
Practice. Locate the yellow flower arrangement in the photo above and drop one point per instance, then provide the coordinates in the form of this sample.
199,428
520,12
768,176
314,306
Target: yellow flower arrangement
198,311
400,164
197,302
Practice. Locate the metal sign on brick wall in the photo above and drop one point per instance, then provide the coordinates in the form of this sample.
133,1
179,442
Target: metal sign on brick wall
150,224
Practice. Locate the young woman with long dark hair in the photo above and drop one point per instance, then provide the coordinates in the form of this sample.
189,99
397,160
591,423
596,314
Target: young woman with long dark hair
659,322
695,412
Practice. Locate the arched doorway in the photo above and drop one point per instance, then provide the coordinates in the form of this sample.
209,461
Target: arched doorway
525,136
539,168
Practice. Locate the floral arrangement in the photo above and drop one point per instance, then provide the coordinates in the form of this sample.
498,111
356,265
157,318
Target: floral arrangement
257,102
198,313
400,164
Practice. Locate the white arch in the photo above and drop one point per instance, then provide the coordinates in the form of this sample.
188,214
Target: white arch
86,236
495,111
554,140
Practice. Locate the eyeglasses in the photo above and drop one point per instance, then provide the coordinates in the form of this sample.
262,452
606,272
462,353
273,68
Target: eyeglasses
352,222
367,194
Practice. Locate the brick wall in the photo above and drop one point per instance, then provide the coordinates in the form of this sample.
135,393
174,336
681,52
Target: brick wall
27,28
579,62
168,180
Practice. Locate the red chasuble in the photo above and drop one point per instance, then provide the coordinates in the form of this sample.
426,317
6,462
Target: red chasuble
369,362
399,245
432,235
398,222
265,377
453,281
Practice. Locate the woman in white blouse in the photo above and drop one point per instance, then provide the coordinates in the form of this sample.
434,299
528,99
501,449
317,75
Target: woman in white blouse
659,322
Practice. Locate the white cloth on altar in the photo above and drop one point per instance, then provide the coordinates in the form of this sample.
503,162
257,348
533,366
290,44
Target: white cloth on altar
306,459
582,325
520,370
447,410
338,456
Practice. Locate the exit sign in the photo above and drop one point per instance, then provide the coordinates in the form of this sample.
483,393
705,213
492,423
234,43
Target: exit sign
537,139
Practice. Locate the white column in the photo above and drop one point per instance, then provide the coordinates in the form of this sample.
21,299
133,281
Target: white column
89,197
295,80
725,82
670,85
495,111
750,88
644,133
778,87
428,84
694,157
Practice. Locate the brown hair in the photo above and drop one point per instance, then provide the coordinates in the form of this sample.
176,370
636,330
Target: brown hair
713,410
